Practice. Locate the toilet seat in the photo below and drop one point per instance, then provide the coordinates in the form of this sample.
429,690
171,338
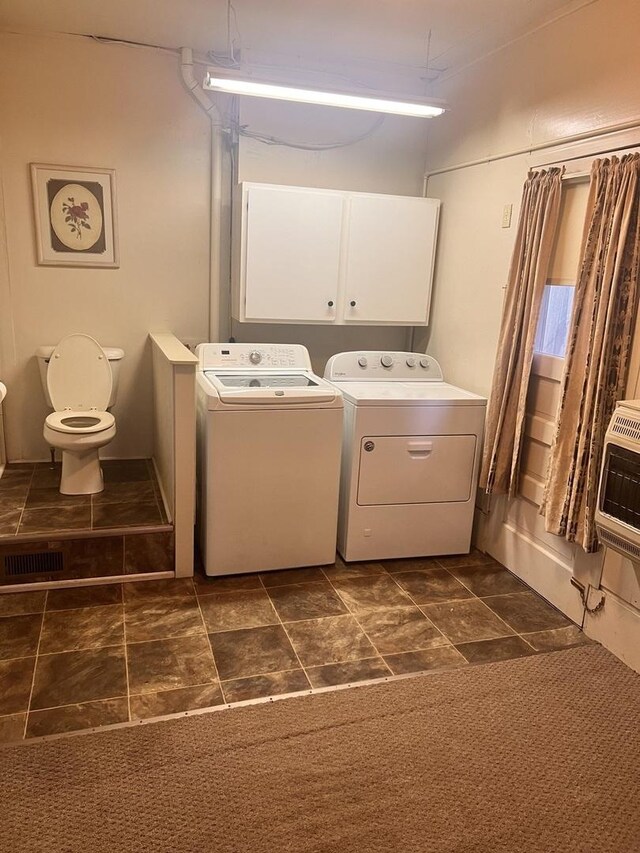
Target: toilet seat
80,421
79,375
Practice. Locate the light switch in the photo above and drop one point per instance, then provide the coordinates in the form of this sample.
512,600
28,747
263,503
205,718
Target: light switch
506,215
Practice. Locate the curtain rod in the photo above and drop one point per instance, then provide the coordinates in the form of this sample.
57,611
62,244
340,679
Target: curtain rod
541,146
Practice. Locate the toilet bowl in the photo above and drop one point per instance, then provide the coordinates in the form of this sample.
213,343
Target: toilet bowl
79,383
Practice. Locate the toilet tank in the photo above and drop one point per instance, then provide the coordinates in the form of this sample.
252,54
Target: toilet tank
114,355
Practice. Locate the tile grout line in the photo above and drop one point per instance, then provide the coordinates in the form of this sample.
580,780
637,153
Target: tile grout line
354,615
81,649
156,492
473,596
349,613
85,702
24,506
415,603
396,607
126,650
206,633
451,601
461,581
295,651
176,689
478,598
420,606
35,667
504,622
261,674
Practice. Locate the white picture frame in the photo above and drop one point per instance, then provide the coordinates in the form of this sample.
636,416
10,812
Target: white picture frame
75,216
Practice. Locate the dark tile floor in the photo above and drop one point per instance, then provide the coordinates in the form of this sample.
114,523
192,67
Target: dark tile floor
91,656
30,501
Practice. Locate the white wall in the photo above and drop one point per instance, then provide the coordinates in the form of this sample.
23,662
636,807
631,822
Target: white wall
576,75
73,101
472,265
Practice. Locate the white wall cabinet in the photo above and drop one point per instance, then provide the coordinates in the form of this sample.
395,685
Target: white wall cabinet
305,255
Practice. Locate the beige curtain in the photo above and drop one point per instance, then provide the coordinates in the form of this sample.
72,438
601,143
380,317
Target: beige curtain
598,350
527,276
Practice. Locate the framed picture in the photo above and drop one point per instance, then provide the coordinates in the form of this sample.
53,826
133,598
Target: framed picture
75,215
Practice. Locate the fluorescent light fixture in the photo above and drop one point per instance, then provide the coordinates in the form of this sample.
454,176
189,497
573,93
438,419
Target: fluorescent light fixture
374,103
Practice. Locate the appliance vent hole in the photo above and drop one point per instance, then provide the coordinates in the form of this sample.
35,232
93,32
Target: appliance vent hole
32,564
629,427
617,542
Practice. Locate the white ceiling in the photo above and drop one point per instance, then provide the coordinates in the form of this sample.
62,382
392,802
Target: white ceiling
316,33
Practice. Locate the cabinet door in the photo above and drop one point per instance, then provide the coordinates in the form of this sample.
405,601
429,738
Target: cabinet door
390,255
292,254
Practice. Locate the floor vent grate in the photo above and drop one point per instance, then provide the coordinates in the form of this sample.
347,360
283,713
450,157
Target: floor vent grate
39,563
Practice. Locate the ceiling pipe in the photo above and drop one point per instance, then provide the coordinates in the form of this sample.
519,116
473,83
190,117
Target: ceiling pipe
216,215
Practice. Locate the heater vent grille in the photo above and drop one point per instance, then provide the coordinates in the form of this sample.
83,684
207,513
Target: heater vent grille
628,427
620,496
39,563
618,543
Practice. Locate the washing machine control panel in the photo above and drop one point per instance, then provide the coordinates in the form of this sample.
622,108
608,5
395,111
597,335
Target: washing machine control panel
401,366
238,356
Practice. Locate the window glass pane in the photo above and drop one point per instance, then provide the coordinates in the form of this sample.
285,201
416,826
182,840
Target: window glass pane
555,316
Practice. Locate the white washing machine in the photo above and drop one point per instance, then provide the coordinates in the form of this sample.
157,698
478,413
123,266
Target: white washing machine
269,435
411,452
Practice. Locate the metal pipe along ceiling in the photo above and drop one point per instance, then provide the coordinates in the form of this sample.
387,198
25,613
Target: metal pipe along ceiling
215,239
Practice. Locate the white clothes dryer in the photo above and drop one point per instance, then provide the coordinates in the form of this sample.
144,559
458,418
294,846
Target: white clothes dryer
410,458
268,444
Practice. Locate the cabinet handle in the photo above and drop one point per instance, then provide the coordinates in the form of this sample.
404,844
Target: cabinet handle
353,303
330,303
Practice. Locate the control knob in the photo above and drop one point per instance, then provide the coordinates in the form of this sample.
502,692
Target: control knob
411,362
424,362
362,361
255,357
386,361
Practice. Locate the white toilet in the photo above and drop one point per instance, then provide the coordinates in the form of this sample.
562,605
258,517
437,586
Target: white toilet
80,385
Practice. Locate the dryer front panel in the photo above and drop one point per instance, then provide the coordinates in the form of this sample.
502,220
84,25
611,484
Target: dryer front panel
416,469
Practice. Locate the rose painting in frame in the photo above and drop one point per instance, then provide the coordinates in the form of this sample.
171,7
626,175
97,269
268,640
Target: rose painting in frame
75,216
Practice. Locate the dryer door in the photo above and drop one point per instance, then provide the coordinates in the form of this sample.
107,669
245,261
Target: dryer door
413,469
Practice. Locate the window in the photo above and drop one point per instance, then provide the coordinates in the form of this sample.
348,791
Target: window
551,341
555,317
557,299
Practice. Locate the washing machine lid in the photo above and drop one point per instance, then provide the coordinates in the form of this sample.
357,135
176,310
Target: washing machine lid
79,375
397,393
263,379
265,387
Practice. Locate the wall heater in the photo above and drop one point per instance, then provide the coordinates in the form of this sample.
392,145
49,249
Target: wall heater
618,508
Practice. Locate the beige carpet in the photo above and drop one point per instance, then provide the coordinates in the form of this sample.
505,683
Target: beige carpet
539,754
